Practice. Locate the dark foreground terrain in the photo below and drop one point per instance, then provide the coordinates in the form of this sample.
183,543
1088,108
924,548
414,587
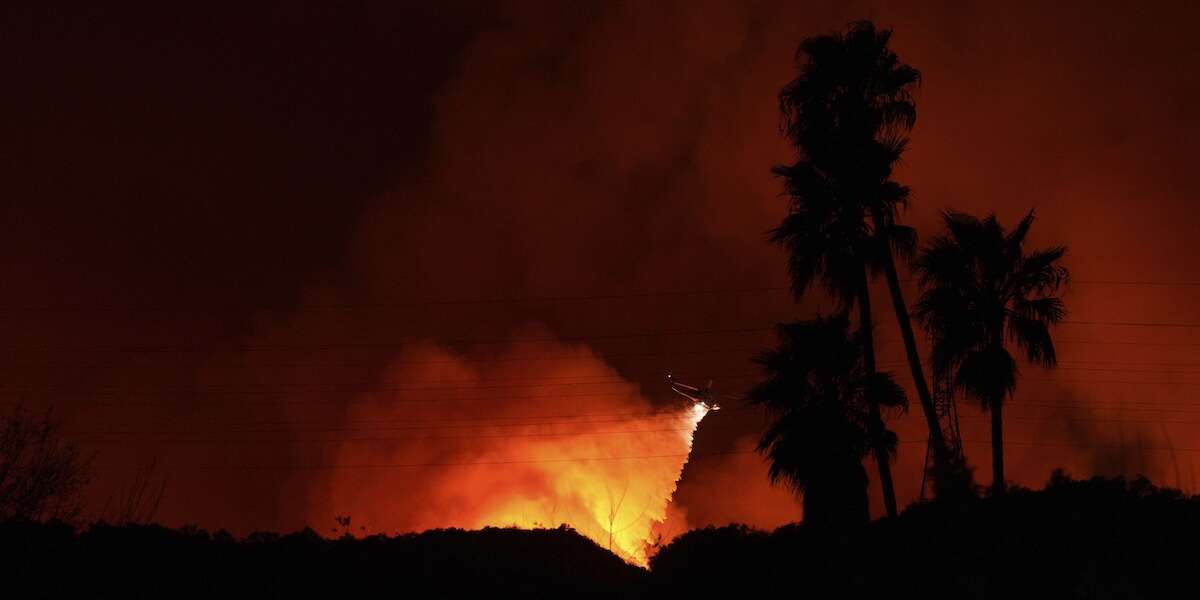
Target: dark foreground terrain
1101,538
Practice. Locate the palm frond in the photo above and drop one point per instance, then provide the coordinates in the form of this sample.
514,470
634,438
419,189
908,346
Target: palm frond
1048,310
989,374
945,262
882,389
816,392
1016,238
965,231
903,241
980,291
1033,336
1040,272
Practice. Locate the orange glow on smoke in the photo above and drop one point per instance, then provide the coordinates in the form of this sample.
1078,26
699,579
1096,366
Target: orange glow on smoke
536,435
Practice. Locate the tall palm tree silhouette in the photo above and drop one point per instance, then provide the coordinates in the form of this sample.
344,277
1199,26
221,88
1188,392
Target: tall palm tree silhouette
820,396
847,113
981,290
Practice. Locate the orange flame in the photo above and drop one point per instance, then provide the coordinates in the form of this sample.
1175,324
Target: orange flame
614,497
564,440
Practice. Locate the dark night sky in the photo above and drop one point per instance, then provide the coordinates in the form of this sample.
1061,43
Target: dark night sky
204,207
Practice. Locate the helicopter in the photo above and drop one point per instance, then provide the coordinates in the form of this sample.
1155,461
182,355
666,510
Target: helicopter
700,396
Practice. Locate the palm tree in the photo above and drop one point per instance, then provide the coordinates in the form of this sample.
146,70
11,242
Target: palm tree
981,290
829,241
819,393
847,113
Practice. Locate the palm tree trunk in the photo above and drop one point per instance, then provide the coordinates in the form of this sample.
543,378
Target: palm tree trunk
886,484
937,439
997,409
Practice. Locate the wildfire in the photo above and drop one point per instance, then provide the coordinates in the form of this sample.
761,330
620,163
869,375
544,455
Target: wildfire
617,495
590,452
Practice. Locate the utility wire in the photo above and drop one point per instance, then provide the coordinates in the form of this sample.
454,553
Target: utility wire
405,341
284,437
566,298
689,457
357,466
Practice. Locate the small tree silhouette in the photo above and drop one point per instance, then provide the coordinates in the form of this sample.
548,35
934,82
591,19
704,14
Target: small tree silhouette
613,510
41,475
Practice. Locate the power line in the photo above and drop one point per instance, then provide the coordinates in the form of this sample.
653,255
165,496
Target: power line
338,396
375,386
407,340
1111,381
1121,343
393,439
558,420
689,457
329,388
358,466
1127,408
1087,446
333,389
412,303
1146,283
164,437
506,420
1121,402
1131,323
339,400
573,356
413,426
1120,370
568,357
1056,419
565,298
1130,364
589,359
